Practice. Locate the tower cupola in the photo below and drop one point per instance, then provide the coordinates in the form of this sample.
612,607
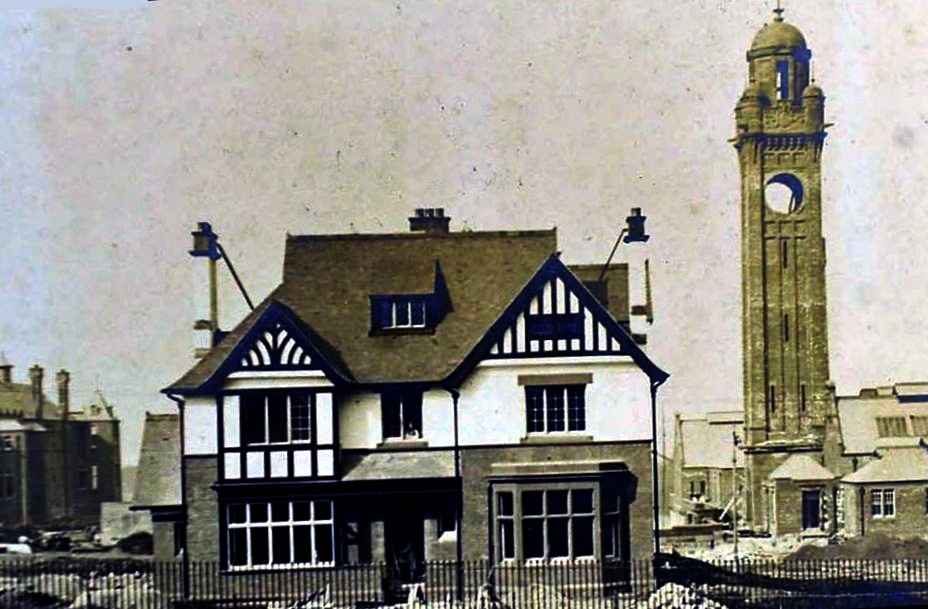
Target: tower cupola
779,60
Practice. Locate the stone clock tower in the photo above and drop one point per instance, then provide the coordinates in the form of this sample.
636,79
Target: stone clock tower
780,126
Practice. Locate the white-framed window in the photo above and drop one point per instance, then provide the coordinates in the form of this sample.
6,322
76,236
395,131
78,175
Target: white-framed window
506,525
883,503
276,418
406,313
94,477
555,408
7,443
541,524
280,534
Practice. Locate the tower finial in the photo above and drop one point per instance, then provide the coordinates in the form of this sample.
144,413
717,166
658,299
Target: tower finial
812,71
779,12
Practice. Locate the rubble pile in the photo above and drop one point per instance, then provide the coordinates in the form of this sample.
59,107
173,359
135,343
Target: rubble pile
675,596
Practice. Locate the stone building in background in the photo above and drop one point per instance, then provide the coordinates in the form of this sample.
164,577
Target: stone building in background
57,465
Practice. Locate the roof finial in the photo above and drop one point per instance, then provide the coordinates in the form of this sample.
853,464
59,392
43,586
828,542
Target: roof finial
812,71
779,12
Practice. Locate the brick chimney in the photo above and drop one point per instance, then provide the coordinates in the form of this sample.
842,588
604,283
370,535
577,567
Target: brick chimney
64,393
429,220
36,373
6,370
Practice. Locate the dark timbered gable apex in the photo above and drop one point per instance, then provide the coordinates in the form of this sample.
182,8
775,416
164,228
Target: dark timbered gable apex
276,342
555,315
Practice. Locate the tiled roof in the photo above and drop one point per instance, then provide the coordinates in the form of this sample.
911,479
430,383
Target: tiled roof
707,443
801,467
328,281
400,464
157,479
895,464
857,417
16,401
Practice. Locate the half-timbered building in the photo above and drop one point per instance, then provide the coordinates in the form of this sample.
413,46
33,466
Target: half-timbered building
422,396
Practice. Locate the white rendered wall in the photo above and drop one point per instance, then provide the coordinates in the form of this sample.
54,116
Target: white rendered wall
200,426
492,405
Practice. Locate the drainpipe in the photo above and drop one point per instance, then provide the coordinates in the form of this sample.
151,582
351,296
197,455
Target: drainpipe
655,483
185,558
459,533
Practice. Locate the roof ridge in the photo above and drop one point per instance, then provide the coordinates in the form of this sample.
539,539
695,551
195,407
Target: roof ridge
419,235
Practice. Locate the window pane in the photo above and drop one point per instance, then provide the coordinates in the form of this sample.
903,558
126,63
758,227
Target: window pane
280,537
236,514
534,404
402,312
555,406
258,512
300,511
253,418
390,413
557,502
299,418
302,544
280,512
277,417
876,503
889,503
557,538
610,536
506,546
238,547
260,552
323,510
324,543
581,501
582,536
418,313
531,503
576,408
505,504
412,414
533,538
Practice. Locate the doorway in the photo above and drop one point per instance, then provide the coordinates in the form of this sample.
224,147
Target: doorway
811,508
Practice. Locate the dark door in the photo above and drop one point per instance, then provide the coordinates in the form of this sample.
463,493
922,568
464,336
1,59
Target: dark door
811,508
405,545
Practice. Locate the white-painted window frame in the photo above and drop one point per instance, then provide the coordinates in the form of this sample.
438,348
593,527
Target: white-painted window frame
267,526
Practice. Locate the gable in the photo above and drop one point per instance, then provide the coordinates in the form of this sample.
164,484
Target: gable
271,339
556,316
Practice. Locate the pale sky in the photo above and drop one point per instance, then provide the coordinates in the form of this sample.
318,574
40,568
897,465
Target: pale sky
123,128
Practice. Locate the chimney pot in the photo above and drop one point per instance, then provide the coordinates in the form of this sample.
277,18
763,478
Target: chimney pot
429,220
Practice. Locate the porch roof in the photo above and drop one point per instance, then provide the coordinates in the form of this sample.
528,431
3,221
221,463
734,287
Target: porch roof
801,467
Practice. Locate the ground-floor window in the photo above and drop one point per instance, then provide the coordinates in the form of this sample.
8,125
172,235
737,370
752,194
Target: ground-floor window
561,523
883,503
811,508
283,533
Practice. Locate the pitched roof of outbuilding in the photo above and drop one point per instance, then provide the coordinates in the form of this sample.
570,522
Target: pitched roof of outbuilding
157,480
894,464
858,415
801,467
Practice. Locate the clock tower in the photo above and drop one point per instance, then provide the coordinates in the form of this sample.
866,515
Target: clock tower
780,133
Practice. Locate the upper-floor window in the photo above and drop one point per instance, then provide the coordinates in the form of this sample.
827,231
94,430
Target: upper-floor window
891,427
883,503
401,415
555,408
554,326
278,434
276,418
401,312
7,443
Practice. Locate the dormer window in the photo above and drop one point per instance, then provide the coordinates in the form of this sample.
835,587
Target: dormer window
411,313
401,312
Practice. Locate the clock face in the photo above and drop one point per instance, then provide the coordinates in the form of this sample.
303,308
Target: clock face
783,193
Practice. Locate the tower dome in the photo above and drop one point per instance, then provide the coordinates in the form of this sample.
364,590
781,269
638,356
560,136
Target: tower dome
778,35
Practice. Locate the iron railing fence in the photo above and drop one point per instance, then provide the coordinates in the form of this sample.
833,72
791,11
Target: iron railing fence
668,582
